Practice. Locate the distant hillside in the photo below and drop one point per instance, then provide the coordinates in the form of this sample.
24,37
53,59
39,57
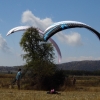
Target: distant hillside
8,69
81,65
75,65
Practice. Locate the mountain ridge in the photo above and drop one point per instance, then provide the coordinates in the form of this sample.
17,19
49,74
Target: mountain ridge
86,65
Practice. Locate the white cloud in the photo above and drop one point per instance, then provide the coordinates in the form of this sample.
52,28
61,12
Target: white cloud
73,39
69,59
28,18
3,45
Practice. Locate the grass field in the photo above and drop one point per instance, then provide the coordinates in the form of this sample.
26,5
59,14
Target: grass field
14,94
86,88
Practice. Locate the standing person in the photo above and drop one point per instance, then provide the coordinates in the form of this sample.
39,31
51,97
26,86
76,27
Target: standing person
18,78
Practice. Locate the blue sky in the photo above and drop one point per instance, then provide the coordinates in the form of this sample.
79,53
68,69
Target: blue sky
75,44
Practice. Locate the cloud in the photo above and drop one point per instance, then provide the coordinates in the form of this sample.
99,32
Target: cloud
28,18
3,45
69,59
73,39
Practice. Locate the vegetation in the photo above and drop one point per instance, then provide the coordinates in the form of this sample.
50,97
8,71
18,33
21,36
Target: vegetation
39,55
86,88
42,95
81,73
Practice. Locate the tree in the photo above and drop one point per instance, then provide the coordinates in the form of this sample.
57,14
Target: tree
39,56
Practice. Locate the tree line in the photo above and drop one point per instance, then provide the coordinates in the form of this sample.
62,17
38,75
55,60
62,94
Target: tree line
81,72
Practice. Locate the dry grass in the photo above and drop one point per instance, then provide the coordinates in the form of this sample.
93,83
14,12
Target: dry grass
14,94
86,88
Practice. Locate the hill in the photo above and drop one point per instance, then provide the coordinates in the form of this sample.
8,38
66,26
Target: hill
81,65
75,65
9,69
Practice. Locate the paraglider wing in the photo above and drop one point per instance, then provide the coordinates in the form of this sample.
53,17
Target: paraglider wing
59,26
23,28
19,28
57,49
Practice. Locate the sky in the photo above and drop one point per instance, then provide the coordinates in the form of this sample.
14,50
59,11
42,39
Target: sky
76,44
